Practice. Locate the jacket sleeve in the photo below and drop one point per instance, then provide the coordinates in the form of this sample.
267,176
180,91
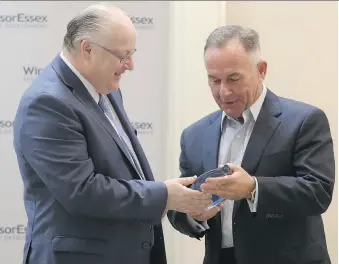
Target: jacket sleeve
310,191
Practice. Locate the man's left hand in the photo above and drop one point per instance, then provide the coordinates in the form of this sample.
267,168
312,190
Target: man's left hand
235,186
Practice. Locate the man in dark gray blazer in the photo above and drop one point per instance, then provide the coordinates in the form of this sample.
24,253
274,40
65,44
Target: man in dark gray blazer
281,155
89,192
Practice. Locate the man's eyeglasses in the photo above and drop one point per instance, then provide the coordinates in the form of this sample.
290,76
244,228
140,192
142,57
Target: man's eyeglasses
122,58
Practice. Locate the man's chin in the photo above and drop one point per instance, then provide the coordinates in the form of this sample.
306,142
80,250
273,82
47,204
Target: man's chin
115,86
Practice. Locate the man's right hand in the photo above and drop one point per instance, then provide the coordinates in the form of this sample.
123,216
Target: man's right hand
185,200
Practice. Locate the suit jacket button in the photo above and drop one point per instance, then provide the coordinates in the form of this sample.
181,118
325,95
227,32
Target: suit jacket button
146,245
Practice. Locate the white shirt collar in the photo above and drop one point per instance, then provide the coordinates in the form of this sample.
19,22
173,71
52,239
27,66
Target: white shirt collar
86,83
255,107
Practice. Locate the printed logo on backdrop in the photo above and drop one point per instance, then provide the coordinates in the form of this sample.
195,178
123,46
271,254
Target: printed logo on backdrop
6,126
23,20
30,72
143,127
142,21
12,232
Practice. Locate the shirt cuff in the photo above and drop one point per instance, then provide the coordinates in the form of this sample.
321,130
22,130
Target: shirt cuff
253,205
199,226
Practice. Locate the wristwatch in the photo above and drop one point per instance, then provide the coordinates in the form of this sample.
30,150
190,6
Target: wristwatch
251,195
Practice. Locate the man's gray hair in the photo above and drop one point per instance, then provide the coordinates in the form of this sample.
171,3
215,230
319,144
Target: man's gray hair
88,24
248,37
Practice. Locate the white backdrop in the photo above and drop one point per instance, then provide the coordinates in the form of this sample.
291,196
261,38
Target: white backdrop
27,46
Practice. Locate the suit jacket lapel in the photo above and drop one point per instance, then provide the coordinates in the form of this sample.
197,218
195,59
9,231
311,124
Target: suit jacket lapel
119,109
211,143
80,91
263,130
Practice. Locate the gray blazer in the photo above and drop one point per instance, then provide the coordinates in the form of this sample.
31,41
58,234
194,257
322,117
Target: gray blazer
84,200
290,152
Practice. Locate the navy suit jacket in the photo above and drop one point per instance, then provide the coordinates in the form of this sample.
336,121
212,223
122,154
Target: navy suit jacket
290,152
84,200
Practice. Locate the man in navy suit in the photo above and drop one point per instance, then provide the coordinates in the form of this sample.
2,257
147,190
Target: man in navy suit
89,192
280,152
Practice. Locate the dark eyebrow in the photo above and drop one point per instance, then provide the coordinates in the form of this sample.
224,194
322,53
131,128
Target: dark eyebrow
128,51
234,74
211,77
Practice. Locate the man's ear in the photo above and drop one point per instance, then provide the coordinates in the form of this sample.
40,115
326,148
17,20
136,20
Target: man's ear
262,69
